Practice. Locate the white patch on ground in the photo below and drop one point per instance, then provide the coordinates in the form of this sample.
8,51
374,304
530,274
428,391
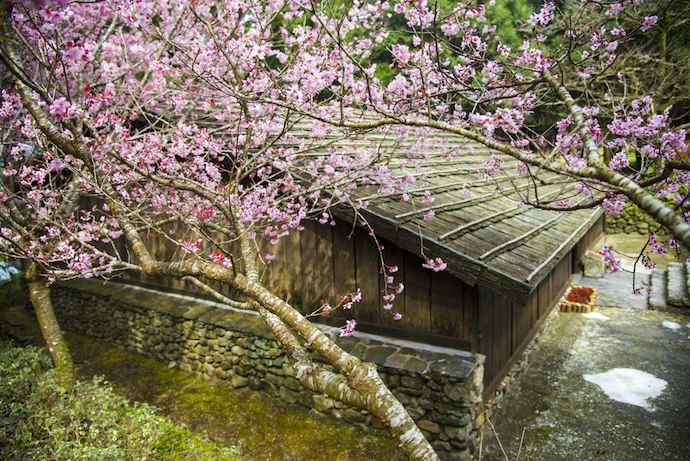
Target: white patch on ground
627,385
688,325
671,325
596,316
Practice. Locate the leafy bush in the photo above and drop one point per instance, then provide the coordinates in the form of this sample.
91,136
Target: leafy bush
41,421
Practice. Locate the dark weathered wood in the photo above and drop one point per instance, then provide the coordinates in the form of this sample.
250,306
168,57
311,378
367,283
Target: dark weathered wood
367,274
512,262
486,338
446,305
417,295
469,303
408,335
501,338
513,289
533,304
562,270
477,244
344,272
525,316
324,278
544,295
516,327
592,236
393,256
407,238
293,269
310,299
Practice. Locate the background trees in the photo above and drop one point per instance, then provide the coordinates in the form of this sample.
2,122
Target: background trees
222,117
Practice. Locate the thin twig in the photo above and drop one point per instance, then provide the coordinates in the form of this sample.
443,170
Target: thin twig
481,438
522,439
497,439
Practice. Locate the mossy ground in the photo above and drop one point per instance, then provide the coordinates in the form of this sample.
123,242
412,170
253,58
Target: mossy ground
264,427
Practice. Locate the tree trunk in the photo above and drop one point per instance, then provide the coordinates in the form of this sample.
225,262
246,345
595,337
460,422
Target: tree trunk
40,298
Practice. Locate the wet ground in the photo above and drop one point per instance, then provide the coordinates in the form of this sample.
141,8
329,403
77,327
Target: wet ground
566,417
264,428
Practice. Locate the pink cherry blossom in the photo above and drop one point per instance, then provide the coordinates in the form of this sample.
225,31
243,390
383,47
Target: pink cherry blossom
349,329
437,265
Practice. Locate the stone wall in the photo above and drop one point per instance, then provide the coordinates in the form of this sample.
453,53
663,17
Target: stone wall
632,221
441,388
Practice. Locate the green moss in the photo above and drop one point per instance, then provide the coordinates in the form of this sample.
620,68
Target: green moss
264,427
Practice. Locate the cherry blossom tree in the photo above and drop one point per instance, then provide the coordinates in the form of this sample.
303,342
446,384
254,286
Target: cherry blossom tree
227,118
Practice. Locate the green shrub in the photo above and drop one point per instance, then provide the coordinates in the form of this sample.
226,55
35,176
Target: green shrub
41,421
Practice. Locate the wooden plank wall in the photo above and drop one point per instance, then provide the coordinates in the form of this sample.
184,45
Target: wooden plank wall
591,237
505,328
325,262
436,307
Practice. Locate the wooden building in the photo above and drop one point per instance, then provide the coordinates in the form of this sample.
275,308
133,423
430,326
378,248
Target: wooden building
507,264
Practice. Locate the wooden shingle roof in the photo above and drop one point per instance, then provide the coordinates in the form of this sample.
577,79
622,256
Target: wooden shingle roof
488,237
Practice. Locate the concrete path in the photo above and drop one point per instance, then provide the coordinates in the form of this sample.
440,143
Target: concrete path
567,417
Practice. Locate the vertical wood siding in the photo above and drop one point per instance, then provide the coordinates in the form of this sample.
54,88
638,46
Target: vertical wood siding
325,262
505,328
434,305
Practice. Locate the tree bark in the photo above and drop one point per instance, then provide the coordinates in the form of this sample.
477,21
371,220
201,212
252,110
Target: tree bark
50,329
660,212
359,385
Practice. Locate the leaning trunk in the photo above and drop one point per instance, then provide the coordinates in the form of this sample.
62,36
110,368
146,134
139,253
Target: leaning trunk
40,298
360,386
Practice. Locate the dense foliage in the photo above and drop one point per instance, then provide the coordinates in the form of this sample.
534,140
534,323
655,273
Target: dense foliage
41,421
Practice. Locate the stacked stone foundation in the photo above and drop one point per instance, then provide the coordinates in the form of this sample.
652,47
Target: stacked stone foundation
440,388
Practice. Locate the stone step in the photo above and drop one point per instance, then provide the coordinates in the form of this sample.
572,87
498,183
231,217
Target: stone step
658,283
677,286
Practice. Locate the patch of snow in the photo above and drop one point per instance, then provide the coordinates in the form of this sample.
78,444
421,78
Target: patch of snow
596,316
627,385
671,325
